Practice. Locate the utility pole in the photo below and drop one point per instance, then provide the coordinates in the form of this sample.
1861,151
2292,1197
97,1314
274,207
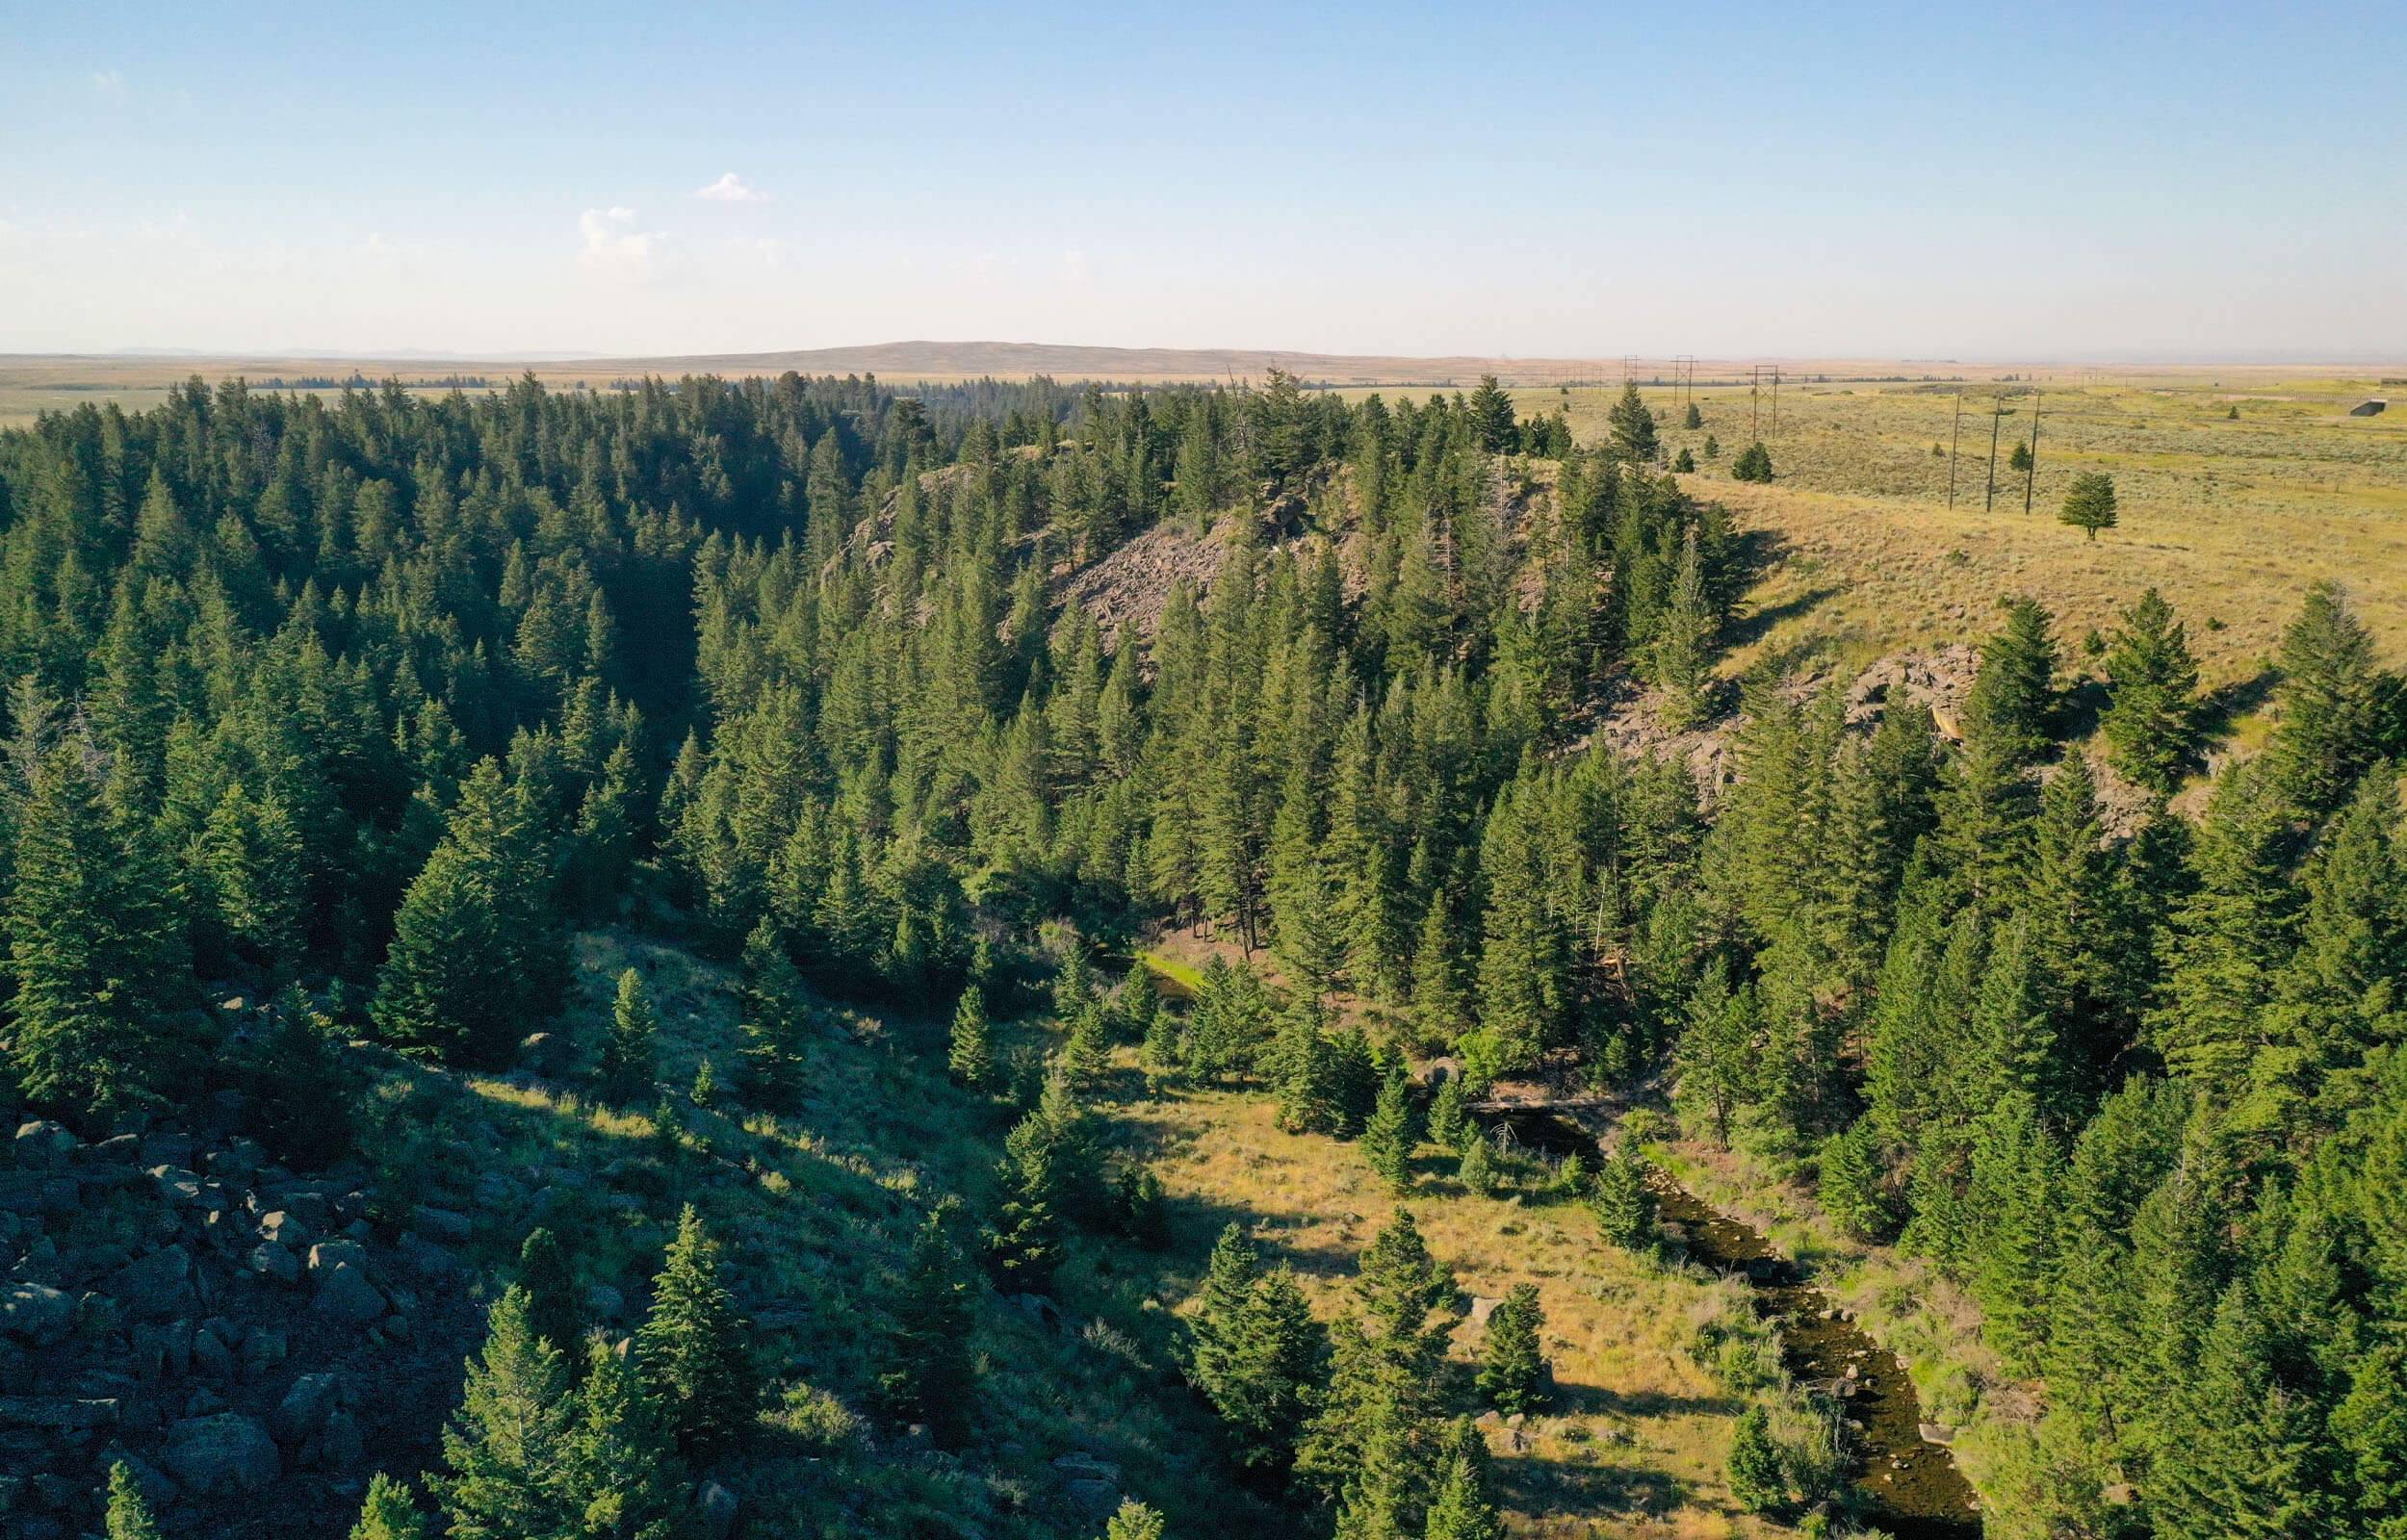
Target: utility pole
2031,465
1776,401
1954,439
1754,401
1997,420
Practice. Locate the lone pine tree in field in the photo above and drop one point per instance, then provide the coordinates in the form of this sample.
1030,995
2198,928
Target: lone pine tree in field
2151,721
1513,1370
691,1348
1694,417
2020,459
1754,463
1684,461
2089,503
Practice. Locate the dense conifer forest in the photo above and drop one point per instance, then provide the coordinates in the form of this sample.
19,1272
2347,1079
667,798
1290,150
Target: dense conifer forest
337,728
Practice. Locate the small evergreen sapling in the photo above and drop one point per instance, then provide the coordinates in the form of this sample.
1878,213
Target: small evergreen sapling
388,1512
129,1511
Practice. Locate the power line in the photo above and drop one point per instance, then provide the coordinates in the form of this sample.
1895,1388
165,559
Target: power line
2030,458
1954,439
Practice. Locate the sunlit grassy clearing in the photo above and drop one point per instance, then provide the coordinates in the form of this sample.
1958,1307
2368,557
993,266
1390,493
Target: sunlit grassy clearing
1637,1442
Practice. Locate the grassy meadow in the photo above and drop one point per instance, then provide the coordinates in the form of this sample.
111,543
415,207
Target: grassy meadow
2231,518
1636,1441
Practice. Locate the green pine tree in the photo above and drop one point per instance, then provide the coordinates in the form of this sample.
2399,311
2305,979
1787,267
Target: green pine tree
389,1512
2089,502
627,1066
1624,1203
691,1348
1754,463
2328,726
555,1311
1462,1507
1632,427
1450,1120
1134,1521
1513,1373
1758,1476
2151,716
1394,1131
622,1478
970,1053
93,947
507,1449
928,1377
478,960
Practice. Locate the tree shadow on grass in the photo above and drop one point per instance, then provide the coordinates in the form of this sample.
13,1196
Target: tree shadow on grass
2224,706
1559,1490
1755,624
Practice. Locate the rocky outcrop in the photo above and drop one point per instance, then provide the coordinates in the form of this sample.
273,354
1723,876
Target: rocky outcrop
184,1303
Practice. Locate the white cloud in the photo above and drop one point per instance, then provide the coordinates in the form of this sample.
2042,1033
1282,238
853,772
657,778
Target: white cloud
730,189
110,85
1073,266
614,245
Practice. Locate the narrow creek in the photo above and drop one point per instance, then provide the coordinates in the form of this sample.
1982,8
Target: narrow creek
1910,1487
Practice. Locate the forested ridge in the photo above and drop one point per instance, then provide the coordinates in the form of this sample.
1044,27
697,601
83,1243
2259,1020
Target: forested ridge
362,711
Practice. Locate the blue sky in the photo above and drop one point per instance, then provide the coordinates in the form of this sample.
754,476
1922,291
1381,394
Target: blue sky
1783,180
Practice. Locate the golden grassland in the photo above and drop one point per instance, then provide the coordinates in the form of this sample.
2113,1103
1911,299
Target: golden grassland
2231,519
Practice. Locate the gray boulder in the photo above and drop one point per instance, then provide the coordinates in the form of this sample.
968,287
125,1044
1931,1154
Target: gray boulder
41,1144
444,1225
269,1260
158,1287
36,1313
57,1411
304,1412
327,1255
347,1294
225,1452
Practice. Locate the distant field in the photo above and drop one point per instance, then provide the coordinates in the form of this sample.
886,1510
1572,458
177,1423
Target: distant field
2231,518
33,383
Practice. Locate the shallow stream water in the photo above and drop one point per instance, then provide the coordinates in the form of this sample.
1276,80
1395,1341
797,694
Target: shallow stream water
1909,1486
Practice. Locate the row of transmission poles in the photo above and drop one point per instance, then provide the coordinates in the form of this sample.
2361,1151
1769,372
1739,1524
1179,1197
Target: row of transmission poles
1999,412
